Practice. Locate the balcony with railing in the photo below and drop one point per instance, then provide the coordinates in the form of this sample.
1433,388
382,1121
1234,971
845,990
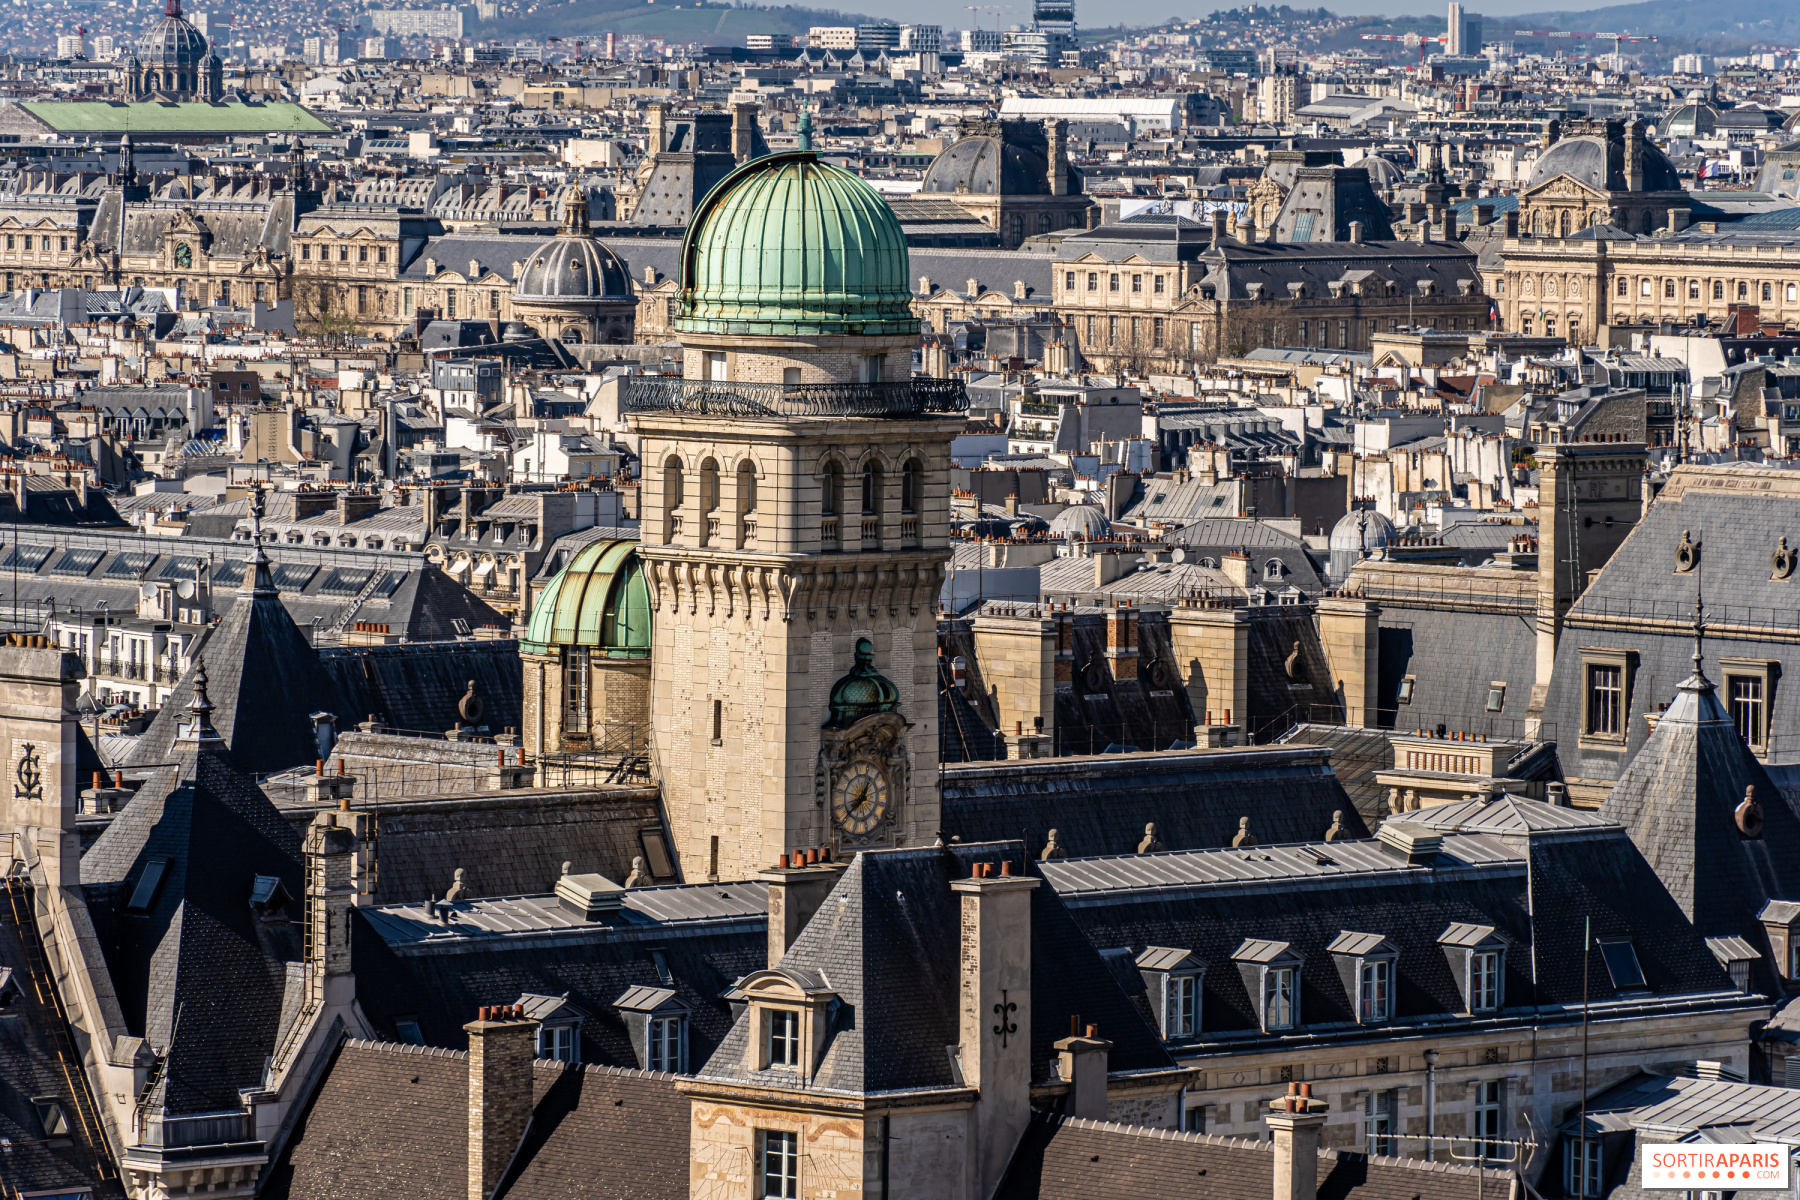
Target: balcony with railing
917,397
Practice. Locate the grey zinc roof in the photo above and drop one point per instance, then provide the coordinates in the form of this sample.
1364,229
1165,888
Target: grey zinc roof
1082,879
1507,814
512,917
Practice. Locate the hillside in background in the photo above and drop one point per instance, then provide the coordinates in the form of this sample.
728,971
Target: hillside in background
712,25
1679,24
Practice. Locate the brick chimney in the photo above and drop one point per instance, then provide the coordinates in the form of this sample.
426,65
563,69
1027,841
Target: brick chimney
502,1044
996,991
798,885
1082,1062
1121,641
1295,1121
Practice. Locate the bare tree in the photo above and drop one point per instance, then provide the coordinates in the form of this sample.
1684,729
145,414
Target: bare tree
322,309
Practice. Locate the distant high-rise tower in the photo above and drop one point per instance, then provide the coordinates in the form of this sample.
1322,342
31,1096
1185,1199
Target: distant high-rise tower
1052,33
1464,33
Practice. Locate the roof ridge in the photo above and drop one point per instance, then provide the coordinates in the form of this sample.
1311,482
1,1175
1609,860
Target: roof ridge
1174,1135
405,1048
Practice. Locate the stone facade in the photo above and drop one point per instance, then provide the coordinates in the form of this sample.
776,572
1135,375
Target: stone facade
1572,287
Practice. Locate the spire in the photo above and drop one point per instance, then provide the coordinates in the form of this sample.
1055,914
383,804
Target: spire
257,581
804,130
1699,632
199,730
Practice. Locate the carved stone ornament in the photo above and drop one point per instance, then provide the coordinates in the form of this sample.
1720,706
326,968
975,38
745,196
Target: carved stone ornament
1749,816
862,778
1781,563
1687,554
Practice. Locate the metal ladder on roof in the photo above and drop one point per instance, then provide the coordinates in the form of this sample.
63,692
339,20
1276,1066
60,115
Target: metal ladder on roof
68,1059
376,578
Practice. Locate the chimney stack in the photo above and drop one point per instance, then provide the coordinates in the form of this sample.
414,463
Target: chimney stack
996,991
39,732
1218,227
797,888
1356,232
657,117
1295,1121
1512,224
1056,134
1081,1061
502,1044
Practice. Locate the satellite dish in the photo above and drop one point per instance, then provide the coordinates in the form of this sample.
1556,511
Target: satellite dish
1179,555
186,589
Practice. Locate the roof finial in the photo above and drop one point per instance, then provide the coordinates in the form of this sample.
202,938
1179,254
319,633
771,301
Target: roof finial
199,730
575,211
257,580
804,130
172,8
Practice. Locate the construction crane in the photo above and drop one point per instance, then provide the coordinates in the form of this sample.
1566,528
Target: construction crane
1614,38
975,21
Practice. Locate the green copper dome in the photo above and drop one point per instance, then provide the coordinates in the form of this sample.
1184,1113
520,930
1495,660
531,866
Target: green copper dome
600,600
863,692
788,245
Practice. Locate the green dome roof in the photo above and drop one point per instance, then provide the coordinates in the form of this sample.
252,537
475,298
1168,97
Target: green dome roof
600,600
863,692
788,245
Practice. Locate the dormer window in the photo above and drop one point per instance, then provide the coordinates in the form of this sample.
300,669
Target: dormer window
1735,955
1477,958
1173,978
657,1022
784,1038
559,1026
1779,918
1366,962
1271,973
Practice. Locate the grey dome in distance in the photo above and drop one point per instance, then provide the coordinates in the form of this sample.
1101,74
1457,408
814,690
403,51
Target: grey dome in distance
1082,521
1361,529
172,43
1358,534
573,268
1585,159
986,166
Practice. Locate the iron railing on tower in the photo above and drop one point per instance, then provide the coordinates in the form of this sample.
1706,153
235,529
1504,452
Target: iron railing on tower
916,397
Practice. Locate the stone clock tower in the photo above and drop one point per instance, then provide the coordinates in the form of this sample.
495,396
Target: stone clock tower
795,528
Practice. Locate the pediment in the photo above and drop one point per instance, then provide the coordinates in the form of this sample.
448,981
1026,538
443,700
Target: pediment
1563,187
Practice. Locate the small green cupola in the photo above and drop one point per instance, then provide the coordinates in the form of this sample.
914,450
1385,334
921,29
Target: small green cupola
863,692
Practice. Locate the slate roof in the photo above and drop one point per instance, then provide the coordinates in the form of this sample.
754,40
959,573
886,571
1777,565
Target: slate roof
419,685
681,938
1738,513
199,976
265,682
387,1123
1099,805
888,942
1676,799
1530,888
1066,1158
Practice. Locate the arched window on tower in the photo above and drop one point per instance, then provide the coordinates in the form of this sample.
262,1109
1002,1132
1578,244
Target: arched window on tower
912,484
831,502
709,501
674,495
871,504
746,504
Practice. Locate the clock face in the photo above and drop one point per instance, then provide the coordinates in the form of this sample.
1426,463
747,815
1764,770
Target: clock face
859,800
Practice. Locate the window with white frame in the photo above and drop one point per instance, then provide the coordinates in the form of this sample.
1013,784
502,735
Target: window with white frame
1581,1166
1378,1123
556,1042
666,1040
1278,998
780,1165
1484,981
1488,1093
784,1038
1183,1016
1374,989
